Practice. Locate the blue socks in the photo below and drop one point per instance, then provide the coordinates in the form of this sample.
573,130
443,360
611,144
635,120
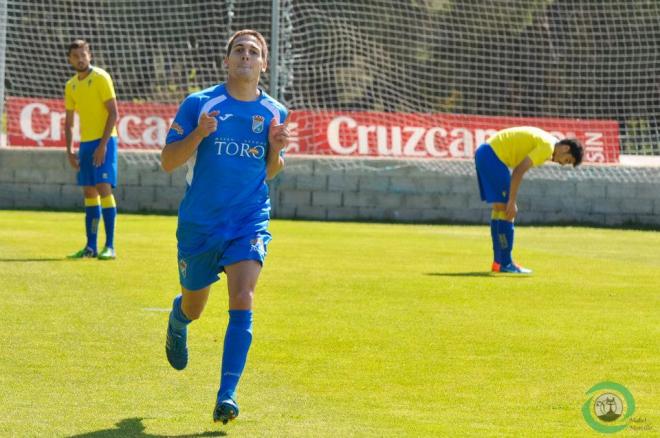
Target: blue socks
497,257
178,319
237,343
505,241
109,214
92,216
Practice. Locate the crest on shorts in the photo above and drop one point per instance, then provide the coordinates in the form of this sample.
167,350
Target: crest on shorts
258,124
183,266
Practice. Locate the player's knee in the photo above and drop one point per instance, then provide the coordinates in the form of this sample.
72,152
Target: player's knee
192,312
104,189
242,298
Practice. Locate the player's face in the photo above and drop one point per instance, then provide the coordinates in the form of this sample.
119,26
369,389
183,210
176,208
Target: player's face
562,155
80,59
245,60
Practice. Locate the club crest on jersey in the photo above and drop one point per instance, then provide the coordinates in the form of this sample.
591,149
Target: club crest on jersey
257,124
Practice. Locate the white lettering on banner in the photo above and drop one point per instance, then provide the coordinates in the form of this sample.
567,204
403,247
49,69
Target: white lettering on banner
383,145
436,141
333,135
429,142
594,147
54,130
156,131
153,135
410,149
463,145
123,130
363,138
420,141
481,135
26,121
56,122
294,139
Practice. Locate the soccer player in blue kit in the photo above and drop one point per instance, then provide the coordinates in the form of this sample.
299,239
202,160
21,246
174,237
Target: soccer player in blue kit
232,137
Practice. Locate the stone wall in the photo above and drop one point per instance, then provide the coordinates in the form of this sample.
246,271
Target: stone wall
356,189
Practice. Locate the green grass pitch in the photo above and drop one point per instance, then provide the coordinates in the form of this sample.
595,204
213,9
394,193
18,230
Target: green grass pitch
360,330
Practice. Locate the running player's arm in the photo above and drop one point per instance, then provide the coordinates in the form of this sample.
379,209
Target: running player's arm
278,139
516,179
177,153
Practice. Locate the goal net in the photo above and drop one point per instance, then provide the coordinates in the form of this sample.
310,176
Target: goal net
398,78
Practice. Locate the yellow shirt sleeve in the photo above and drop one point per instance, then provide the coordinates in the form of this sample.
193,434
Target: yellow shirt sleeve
69,103
106,88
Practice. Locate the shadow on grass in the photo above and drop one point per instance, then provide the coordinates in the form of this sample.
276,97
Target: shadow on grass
45,259
478,274
133,428
460,274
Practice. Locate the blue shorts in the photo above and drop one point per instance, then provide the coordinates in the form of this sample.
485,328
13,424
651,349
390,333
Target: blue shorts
493,175
201,270
90,175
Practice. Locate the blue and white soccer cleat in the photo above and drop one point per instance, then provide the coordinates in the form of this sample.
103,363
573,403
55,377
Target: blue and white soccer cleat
107,254
511,268
225,410
176,348
85,253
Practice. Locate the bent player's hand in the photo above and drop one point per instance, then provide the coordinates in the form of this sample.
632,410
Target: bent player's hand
278,136
207,123
511,210
99,156
73,160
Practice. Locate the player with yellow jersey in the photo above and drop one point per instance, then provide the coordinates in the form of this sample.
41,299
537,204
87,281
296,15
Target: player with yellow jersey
519,149
91,94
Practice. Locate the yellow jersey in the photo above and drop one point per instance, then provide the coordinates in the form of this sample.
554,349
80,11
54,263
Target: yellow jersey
512,145
88,97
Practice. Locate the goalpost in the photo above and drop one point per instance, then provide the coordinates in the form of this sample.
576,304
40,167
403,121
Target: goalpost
382,77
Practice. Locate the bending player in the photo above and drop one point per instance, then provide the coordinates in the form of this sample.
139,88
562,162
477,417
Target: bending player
520,149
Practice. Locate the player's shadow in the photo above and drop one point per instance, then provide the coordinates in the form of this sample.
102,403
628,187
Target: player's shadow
460,274
478,274
44,259
133,428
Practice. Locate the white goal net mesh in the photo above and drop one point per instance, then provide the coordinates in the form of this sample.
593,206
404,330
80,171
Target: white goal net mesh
393,78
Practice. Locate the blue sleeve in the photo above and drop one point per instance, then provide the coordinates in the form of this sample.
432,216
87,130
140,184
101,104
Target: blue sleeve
283,115
185,121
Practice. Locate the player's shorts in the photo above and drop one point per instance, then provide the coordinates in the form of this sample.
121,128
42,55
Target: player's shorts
201,270
493,175
90,175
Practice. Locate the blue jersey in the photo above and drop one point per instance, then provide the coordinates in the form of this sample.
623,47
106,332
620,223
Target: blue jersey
226,195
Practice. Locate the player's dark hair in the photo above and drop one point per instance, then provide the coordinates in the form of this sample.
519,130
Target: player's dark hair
260,39
576,149
77,44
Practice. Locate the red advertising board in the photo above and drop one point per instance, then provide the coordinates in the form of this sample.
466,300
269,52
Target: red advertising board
446,136
39,122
